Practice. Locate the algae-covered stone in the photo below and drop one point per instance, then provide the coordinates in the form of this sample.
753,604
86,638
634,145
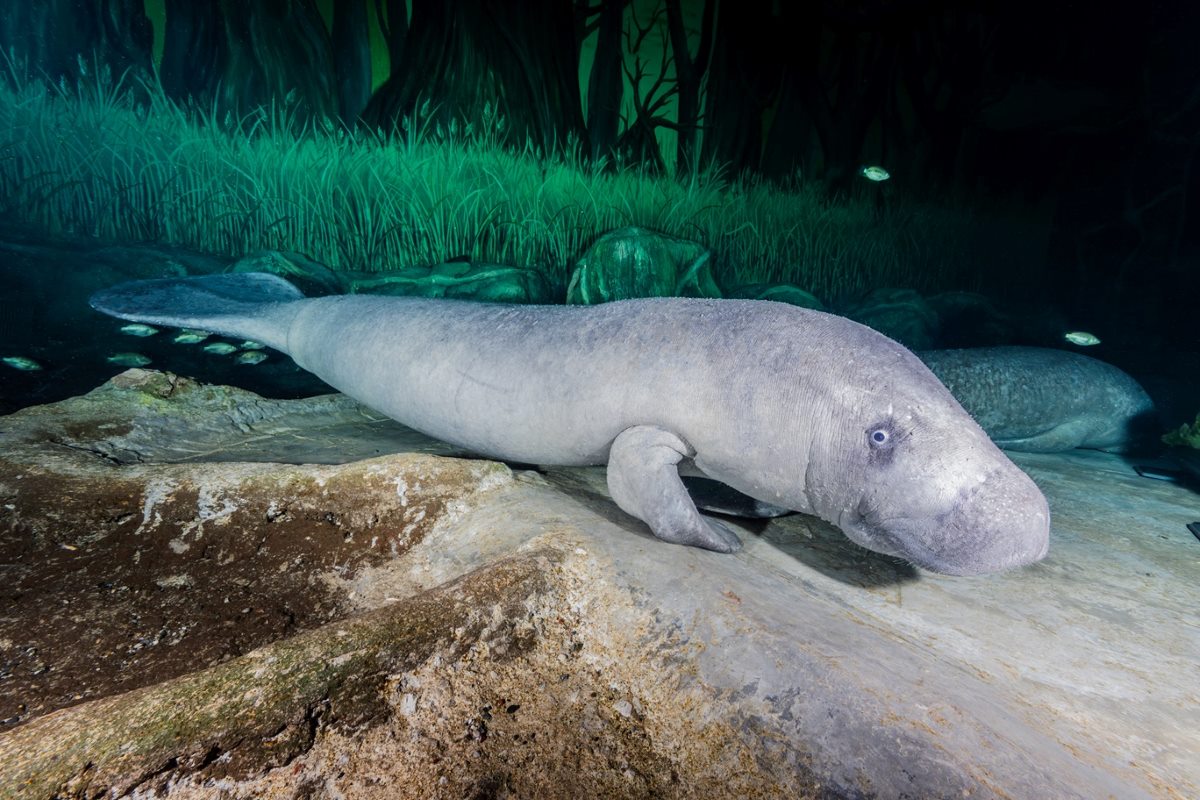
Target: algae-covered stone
635,262
311,277
262,709
778,292
901,314
462,280
1185,435
524,640
968,319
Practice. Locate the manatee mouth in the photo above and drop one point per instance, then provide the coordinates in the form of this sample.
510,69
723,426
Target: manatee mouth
876,535
984,531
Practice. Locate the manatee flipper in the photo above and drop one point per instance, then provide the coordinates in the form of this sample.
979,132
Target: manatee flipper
254,305
644,481
1063,436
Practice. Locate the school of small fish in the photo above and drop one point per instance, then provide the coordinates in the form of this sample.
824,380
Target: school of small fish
249,352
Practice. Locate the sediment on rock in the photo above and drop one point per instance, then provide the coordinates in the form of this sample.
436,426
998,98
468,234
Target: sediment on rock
264,708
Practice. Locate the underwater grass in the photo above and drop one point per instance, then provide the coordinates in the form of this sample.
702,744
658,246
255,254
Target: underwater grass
92,160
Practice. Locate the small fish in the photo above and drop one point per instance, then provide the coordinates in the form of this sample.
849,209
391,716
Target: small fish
220,348
251,357
138,329
876,174
1081,338
22,363
189,336
128,359
250,344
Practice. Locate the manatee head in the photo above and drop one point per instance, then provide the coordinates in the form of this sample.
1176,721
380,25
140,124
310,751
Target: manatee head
916,477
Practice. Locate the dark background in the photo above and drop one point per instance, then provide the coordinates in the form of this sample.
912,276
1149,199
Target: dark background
1080,117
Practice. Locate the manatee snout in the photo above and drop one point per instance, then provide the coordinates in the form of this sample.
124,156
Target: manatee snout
1003,523
967,526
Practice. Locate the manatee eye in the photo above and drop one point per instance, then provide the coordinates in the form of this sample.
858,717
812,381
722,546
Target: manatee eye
882,439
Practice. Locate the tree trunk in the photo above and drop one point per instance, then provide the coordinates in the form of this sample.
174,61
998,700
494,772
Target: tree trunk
351,58
392,16
689,72
57,36
606,85
468,55
839,75
743,83
238,56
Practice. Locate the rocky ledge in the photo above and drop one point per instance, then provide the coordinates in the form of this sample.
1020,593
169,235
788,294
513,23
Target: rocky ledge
210,594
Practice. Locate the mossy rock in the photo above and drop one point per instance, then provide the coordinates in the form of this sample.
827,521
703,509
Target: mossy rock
462,280
1185,435
900,314
969,319
311,277
635,262
778,292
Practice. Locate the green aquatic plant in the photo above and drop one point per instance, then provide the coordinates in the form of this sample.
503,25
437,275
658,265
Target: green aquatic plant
1185,435
103,161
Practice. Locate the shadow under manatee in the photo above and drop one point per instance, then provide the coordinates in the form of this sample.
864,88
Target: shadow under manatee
822,547
808,540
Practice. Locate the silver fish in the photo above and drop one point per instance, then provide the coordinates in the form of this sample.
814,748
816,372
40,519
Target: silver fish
128,359
191,337
138,329
220,348
1081,338
21,363
251,357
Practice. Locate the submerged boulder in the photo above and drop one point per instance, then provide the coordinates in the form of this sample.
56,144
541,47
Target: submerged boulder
636,262
779,292
181,622
901,314
311,277
969,319
460,280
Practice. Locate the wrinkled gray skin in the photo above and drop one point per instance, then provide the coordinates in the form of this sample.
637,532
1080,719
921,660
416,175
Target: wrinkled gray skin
1042,400
793,407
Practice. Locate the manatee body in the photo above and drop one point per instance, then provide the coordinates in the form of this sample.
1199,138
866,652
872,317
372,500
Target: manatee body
793,407
1042,400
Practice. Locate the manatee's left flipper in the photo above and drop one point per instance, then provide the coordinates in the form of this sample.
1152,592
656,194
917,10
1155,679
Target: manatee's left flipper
1057,439
644,481
711,495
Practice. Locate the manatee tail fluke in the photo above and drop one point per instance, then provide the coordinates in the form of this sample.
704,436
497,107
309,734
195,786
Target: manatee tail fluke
254,305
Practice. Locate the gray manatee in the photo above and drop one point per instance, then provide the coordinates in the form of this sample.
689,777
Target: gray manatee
1042,400
793,407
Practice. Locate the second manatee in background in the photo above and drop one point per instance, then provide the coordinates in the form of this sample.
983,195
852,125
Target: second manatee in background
1042,400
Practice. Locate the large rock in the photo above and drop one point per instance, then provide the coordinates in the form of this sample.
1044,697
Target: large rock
462,280
969,319
901,314
311,277
778,292
489,633
634,262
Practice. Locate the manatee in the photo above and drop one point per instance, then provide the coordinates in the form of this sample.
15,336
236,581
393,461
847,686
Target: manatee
1042,400
795,408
